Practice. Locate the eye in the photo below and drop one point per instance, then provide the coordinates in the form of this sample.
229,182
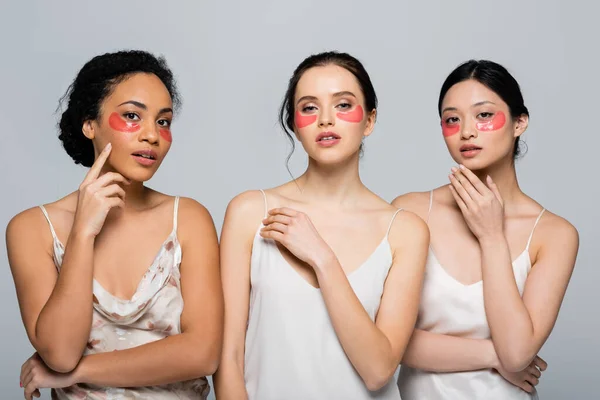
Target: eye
131,116
307,109
165,123
451,120
486,115
344,106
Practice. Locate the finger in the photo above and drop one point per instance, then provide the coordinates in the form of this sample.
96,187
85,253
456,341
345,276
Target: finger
112,191
282,219
274,235
461,204
29,389
283,211
533,380
108,178
277,227
540,363
534,371
115,202
474,180
98,164
36,393
492,185
466,183
460,190
25,372
526,386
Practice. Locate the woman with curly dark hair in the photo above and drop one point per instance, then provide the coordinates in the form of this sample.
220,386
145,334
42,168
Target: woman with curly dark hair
103,273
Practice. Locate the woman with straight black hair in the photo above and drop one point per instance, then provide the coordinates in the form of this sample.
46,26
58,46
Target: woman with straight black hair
499,263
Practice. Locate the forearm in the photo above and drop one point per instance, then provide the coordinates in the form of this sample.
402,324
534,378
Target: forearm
444,353
229,380
63,326
367,348
509,320
173,359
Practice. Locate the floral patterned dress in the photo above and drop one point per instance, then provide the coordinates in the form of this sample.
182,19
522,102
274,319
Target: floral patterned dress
151,314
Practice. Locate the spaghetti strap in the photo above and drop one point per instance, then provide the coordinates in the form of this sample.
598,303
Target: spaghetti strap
175,210
533,229
430,206
392,221
49,222
266,204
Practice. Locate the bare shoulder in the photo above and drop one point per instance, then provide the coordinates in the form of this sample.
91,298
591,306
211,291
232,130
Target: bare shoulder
246,210
194,219
408,229
25,224
554,230
416,202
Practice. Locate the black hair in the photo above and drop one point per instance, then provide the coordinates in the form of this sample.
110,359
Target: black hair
344,60
496,78
93,84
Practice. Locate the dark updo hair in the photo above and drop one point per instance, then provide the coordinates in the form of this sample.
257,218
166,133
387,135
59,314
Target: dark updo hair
344,60
93,84
496,78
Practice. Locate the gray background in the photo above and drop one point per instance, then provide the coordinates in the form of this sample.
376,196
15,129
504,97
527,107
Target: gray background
233,60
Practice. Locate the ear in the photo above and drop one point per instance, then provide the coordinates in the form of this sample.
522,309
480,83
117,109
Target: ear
520,124
371,119
88,129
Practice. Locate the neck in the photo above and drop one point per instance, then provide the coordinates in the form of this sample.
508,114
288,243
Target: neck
331,184
504,176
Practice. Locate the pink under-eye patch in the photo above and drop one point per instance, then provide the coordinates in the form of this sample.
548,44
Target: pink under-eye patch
449,130
166,134
356,115
493,124
302,121
118,123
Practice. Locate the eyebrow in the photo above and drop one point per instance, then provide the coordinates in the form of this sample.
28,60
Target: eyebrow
338,94
144,107
474,105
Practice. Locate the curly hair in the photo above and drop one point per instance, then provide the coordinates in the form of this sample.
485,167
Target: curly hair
93,84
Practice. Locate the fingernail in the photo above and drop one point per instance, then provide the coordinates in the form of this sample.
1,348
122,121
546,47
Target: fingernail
108,146
454,169
21,384
461,166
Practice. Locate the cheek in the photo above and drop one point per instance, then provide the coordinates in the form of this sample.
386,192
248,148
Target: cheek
166,134
119,124
449,130
494,124
354,116
302,121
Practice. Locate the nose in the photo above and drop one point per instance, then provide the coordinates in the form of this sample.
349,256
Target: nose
149,133
326,117
468,130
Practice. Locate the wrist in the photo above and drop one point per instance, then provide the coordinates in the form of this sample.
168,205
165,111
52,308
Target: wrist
492,239
323,261
78,374
491,356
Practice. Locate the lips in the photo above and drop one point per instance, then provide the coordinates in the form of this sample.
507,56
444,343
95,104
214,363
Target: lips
147,154
469,147
326,136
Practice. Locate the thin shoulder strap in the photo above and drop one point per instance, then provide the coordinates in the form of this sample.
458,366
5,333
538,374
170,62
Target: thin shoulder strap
392,221
49,222
430,206
533,229
175,209
266,203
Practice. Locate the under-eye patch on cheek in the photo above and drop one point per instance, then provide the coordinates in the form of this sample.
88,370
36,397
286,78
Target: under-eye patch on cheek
302,121
497,122
117,123
166,134
449,130
356,115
